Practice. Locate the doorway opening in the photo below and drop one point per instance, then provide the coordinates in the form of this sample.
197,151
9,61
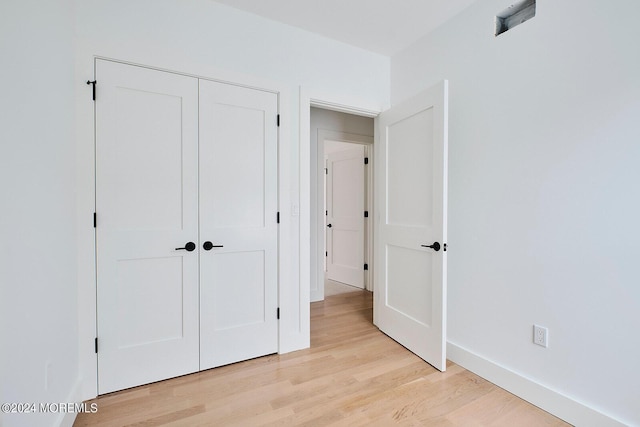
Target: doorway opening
410,227
341,202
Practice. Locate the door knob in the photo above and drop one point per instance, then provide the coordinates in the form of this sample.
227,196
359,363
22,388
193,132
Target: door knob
435,246
208,246
329,225
190,246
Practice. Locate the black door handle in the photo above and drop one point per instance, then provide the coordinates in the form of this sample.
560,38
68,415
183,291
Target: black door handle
329,225
189,247
435,246
208,246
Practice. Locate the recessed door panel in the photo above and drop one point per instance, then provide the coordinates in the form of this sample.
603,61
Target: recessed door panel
234,146
144,319
410,180
241,275
405,268
148,134
345,251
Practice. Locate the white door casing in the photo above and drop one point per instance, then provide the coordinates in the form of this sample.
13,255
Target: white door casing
411,194
238,208
345,216
147,204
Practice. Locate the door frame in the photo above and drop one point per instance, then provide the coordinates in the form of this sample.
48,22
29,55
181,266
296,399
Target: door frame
309,221
367,142
293,331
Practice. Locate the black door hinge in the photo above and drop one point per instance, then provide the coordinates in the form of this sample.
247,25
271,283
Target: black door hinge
278,120
326,213
89,82
326,171
278,313
95,220
444,248
366,160
366,266
278,217
366,214
96,345
326,253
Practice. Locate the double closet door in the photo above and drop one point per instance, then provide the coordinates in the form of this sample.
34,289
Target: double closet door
186,231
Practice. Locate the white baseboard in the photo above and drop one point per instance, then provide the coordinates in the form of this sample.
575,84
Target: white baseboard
563,407
67,419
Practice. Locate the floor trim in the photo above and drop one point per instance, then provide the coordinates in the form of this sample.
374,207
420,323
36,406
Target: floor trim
66,419
555,403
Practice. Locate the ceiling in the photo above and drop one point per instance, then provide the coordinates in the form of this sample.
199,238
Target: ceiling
381,26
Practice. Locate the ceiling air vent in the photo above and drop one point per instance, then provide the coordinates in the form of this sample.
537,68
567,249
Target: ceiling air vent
515,15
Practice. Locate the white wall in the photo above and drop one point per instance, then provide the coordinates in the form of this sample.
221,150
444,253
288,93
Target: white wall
326,120
38,288
544,158
205,38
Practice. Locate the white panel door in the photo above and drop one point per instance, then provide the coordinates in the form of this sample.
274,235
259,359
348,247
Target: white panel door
410,304
238,206
345,216
147,206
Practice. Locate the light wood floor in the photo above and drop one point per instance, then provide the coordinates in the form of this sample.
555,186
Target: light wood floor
352,375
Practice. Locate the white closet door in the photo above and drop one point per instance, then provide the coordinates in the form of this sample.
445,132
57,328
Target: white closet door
345,216
411,257
147,206
238,206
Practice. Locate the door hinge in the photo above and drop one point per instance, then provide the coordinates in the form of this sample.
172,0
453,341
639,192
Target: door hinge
444,247
326,171
366,214
96,345
366,266
326,253
326,213
89,82
278,120
95,220
278,313
366,160
278,217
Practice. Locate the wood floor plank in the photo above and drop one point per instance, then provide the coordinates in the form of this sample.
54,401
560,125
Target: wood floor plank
353,375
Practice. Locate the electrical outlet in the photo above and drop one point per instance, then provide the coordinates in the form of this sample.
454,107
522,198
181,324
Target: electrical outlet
541,336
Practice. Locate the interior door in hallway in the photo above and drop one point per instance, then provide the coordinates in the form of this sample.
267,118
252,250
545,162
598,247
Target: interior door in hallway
147,206
410,299
345,216
238,217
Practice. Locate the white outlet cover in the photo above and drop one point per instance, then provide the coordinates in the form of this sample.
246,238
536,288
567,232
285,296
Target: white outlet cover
541,336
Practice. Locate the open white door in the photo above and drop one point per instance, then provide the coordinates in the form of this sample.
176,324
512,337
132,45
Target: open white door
345,216
411,193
